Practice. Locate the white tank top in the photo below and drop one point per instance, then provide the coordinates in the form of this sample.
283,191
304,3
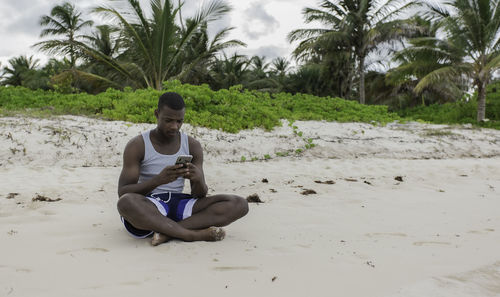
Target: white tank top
154,162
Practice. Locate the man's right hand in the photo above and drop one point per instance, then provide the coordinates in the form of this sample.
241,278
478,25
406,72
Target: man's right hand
171,173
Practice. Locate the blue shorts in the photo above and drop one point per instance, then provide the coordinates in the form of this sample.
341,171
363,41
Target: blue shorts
176,206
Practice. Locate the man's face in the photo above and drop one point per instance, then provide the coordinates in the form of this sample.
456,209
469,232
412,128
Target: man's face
169,120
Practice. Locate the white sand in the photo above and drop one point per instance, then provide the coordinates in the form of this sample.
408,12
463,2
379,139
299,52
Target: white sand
436,233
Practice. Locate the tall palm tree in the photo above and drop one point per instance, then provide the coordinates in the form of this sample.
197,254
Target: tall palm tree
153,47
354,27
66,22
472,36
422,56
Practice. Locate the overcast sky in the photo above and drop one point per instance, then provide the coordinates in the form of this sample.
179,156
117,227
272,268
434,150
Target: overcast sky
262,24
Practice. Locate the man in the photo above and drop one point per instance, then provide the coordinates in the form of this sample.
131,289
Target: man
150,185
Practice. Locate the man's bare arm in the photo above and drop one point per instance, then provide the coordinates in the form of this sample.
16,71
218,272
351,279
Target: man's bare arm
196,176
132,156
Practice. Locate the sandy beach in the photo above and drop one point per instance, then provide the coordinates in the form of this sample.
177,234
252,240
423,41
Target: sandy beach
406,209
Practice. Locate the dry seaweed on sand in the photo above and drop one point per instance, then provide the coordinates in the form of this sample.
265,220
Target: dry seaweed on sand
12,195
45,198
327,182
254,198
308,192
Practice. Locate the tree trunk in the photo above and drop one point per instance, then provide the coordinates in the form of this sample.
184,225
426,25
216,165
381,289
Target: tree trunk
481,100
72,55
362,80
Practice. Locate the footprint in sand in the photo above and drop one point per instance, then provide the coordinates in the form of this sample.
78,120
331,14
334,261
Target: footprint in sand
17,269
484,231
83,250
232,268
385,235
422,243
48,212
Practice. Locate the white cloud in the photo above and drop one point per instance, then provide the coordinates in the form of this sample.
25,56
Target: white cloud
258,22
263,25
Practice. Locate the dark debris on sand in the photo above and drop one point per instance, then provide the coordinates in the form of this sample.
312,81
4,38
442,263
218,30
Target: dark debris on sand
308,192
12,195
399,178
326,182
254,198
44,198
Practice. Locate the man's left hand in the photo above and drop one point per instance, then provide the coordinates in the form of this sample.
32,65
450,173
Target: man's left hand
194,173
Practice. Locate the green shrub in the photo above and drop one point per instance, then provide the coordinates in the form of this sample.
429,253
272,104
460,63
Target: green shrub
229,110
460,112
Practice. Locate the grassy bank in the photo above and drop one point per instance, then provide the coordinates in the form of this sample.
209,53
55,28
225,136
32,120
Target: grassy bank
235,109
230,110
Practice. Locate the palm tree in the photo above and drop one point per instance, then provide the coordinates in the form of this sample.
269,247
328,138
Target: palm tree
309,79
353,29
279,70
65,21
471,47
259,75
153,48
424,55
106,41
230,71
259,66
280,66
201,52
19,71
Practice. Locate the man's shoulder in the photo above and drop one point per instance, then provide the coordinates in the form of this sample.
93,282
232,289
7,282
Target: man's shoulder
137,140
136,144
194,144
192,140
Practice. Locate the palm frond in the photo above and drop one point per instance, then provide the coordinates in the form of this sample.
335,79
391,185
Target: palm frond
299,34
439,75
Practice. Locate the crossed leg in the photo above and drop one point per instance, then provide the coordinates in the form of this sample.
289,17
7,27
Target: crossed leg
208,213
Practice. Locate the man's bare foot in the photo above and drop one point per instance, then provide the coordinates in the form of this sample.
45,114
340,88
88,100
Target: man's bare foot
214,234
159,238
208,234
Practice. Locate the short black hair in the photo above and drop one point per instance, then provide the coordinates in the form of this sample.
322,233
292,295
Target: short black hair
172,100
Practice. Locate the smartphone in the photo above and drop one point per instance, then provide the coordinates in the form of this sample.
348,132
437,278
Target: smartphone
183,159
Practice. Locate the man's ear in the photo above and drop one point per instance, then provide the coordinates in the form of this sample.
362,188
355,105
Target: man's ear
156,113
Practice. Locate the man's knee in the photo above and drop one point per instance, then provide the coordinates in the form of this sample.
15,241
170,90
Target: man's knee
243,205
127,204
240,206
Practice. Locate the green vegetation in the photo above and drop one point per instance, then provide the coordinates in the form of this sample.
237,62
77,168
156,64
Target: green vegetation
229,110
235,109
461,112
